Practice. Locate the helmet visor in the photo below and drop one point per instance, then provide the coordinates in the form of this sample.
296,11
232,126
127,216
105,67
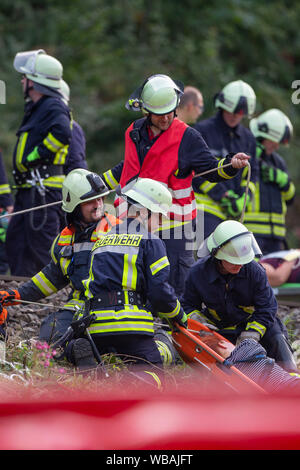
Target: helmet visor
241,249
21,60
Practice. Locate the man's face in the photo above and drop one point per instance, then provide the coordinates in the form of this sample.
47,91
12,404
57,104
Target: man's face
92,211
232,119
270,146
25,83
231,268
196,109
154,221
162,122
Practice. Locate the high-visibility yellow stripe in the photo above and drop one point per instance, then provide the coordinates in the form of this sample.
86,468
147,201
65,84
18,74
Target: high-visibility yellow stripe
268,217
214,314
45,286
54,181
20,152
173,313
221,171
254,325
159,264
52,143
129,278
248,309
207,204
52,250
4,189
290,193
61,155
207,186
64,264
110,180
265,229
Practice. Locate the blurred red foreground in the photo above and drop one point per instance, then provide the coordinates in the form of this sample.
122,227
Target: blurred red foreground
149,420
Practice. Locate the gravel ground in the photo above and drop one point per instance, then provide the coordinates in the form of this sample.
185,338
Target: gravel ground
25,319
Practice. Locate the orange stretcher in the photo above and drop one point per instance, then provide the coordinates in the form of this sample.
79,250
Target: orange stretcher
190,345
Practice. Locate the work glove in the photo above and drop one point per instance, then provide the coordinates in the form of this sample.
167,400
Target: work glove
33,158
9,297
233,204
274,175
196,316
3,314
249,334
181,320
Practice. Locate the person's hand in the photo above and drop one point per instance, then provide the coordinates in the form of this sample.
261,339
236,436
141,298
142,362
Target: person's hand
270,174
232,203
3,314
9,209
240,160
249,334
180,320
9,297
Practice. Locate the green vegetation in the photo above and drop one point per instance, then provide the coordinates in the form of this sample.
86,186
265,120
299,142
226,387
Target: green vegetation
109,47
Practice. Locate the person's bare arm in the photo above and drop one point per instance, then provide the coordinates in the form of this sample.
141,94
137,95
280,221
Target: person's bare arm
280,275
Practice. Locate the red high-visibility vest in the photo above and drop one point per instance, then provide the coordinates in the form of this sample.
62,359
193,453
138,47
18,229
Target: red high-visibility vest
161,164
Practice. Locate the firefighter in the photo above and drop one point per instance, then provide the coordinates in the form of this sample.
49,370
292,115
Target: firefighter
225,133
162,147
265,216
38,162
129,271
234,288
83,204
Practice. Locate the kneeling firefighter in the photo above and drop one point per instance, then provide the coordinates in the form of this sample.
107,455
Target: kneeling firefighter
83,203
129,267
239,301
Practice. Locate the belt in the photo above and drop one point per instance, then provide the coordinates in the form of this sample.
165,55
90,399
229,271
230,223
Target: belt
45,172
115,299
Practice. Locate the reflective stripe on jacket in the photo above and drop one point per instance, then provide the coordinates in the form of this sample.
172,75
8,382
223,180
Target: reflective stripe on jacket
129,259
265,214
70,255
47,126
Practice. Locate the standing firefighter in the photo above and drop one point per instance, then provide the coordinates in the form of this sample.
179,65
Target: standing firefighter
225,133
129,268
161,147
265,216
238,299
38,161
83,203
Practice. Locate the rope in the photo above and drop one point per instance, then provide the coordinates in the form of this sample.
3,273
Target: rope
11,214
246,193
46,305
212,170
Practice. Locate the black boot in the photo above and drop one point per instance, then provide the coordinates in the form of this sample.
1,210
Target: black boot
82,354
